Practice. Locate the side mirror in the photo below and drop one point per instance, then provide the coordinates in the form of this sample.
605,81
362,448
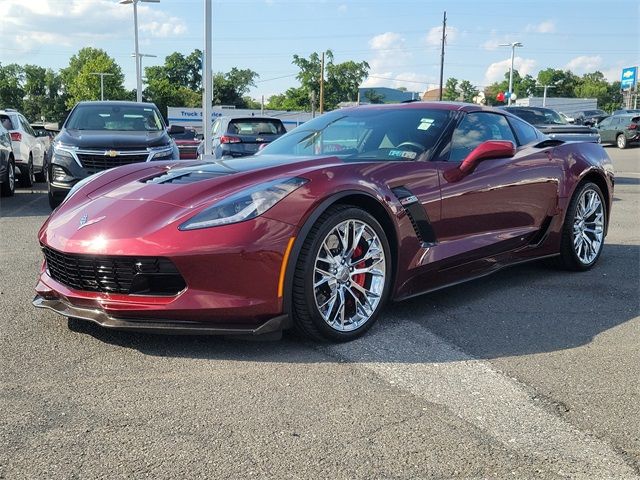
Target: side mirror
484,151
175,129
199,136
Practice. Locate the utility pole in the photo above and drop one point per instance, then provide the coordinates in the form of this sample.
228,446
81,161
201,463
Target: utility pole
544,93
207,81
444,37
102,75
322,85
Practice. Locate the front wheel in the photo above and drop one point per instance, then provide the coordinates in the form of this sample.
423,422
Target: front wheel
621,141
583,230
42,175
9,180
27,178
342,276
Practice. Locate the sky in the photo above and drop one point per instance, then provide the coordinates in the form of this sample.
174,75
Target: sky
399,39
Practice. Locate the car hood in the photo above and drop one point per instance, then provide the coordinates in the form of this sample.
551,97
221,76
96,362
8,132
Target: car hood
190,184
138,202
111,139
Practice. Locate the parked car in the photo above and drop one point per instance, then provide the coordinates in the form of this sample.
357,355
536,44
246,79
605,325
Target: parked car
590,117
552,124
7,164
97,136
45,132
243,136
187,140
27,149
627,110
403,199
621,130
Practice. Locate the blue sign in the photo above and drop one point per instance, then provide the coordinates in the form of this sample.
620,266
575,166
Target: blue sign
629,78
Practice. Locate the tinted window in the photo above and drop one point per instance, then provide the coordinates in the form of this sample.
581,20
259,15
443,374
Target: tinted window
115,117
525,133
6,122
476,128
606,122
187,135
259,126
384,134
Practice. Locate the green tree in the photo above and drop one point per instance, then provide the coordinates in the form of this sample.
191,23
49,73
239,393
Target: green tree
563,81
80,84
11,90
231,88
451,90
467,91
294,98
42,90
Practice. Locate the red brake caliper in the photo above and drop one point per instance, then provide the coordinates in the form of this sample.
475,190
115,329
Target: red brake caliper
360,277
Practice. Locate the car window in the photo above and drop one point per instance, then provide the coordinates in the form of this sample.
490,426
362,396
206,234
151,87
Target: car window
606,122
216,127
476,128
25,125
526,133
256,127
6,122
187,135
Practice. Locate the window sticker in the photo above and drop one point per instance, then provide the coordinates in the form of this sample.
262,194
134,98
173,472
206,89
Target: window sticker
425,123
403,154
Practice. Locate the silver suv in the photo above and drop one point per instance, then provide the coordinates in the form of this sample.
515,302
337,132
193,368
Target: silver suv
27,149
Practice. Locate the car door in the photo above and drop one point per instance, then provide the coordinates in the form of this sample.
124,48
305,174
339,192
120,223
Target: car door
31,143
604,128
504,202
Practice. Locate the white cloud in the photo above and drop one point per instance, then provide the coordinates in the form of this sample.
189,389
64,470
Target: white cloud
78,23
495,72
548,26
342,8
584,64
391,62
434,36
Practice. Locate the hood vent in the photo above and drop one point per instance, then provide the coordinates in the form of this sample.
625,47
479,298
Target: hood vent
184,175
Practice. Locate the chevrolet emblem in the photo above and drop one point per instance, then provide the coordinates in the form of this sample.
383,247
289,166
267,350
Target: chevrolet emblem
111,153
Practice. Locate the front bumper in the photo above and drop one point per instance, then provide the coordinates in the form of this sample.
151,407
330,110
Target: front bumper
105,320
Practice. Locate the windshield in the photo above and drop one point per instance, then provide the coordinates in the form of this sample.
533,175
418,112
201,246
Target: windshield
115,117
366,134
186,135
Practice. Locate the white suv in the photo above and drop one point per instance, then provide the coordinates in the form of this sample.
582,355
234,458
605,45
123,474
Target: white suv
27,149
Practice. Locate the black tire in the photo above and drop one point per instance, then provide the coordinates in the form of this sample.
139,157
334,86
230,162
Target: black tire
9,180
54,202
306,314
621,141
27,180
569,259
42,175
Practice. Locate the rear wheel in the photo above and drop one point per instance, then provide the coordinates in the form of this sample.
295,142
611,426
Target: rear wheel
26,178
342,276
583,230
9,180
621,141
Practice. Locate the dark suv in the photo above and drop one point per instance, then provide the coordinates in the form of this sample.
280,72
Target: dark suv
100,135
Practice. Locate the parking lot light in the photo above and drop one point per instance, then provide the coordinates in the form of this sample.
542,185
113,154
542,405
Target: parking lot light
137,52
513,46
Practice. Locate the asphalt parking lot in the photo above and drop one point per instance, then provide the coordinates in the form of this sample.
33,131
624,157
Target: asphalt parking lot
531,372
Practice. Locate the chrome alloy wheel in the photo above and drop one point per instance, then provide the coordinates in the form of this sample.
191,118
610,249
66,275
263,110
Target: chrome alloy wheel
349,275
12,177
588,227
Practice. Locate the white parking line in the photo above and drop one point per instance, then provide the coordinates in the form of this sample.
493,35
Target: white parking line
412,358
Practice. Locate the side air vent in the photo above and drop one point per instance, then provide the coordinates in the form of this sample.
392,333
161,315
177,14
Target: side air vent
416,214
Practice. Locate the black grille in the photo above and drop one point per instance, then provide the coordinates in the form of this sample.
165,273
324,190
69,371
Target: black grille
97,162
114,274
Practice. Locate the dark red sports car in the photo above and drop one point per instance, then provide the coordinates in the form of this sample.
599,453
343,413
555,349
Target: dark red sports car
325,225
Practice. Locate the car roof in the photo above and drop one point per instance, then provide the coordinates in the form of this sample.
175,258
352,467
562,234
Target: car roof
452,106
248,117
117,103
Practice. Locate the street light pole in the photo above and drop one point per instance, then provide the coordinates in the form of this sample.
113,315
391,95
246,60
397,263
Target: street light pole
135,34
207,79
513,46
140,56
102,75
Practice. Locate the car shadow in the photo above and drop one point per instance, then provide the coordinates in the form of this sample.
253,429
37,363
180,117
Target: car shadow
522,310
26,202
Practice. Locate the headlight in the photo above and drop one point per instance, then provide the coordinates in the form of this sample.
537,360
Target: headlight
163,153
64,152
244,205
